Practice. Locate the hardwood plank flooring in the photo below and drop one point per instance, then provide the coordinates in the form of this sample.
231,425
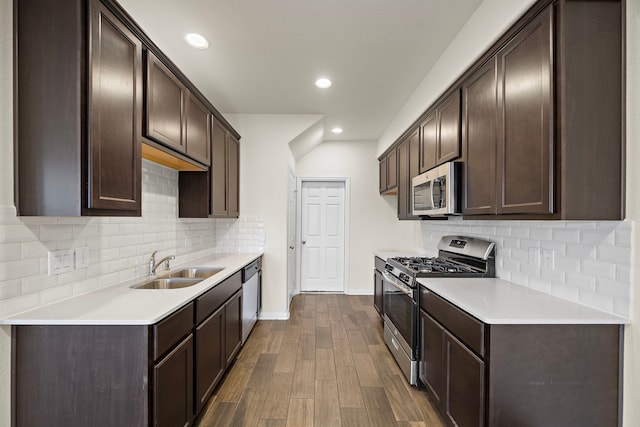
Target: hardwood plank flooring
325,366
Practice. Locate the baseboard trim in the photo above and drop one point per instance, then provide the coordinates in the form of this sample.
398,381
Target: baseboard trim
273,316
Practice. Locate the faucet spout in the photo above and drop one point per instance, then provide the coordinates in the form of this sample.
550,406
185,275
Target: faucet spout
153,265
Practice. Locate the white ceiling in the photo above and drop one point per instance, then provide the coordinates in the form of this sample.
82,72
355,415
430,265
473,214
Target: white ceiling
265,55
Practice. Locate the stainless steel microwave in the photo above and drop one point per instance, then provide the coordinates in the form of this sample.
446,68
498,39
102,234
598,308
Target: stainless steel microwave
436,192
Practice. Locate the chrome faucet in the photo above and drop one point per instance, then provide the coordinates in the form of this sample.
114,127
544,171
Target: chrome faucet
153,265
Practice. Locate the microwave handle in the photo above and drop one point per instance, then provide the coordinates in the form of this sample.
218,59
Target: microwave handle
431,190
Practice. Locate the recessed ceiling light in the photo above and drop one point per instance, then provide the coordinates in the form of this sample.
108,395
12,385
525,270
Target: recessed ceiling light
196,40
323,83
336,130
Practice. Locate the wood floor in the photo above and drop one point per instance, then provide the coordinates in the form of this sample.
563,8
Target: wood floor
325,366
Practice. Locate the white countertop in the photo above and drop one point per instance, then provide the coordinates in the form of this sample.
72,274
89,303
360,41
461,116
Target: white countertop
122,305
496,301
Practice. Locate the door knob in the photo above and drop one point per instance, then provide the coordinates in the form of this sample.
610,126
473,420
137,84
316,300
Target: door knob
304,242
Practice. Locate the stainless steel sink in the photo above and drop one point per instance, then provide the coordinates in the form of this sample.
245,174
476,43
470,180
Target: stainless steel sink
169,283
197,272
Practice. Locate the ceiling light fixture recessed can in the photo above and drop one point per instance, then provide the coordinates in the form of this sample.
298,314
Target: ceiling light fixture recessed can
336,130
323,83
196,40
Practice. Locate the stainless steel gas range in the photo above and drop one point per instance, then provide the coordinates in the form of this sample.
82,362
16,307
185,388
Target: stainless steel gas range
458,256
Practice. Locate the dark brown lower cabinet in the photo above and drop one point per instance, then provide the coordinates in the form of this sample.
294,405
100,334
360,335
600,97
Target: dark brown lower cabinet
218,335
233,327
130,375
377,284
377,291
173,387
431,367
518,375
210,363
464,398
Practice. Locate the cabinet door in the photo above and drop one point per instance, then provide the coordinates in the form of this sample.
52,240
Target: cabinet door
408,167
392,170
403,180
233,327
431,367
197,130
115,122
382,183
480,140
218,169
428,142
449,129
164,105
377,291
465,385
173,387
526,126
210,361
233,177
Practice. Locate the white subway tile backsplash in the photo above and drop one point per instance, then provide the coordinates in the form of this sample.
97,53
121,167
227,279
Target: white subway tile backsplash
614,255
596,237
591,259
565,235
119,247
581,281
598,269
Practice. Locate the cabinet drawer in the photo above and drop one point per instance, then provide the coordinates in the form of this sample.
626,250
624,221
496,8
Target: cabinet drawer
170,330
465,327
210,301
379,263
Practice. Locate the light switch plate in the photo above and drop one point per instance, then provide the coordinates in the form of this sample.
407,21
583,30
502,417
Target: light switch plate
60,261
82,257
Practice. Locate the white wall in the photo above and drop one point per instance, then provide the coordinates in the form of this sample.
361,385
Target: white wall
632,332
372,221
265,159
484,27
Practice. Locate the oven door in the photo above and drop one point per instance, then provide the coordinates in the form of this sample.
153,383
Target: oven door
400,309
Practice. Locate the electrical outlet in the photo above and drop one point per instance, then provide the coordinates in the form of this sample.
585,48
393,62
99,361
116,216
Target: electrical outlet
534,257
82,257
548,259
60,261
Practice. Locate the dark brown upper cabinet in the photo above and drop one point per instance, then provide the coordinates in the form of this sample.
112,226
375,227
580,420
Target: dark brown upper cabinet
77,144
163,105
408,167
525,132
480,140
440,133
224,172
215,193
174,117
544,113
198,130
388,178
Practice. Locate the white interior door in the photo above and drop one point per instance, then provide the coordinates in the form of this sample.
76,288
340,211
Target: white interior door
322,236
291,237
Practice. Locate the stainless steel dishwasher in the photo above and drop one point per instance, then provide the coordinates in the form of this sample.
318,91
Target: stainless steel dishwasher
251,296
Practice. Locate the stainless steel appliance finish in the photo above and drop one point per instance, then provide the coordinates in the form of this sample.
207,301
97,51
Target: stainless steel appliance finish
436,191
458,256
251,276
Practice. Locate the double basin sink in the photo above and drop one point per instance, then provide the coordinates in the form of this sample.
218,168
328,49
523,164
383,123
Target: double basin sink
181,278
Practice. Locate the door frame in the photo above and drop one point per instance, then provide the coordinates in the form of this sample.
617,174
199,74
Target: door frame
299,181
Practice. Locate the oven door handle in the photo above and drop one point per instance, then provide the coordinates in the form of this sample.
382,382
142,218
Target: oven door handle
405,289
